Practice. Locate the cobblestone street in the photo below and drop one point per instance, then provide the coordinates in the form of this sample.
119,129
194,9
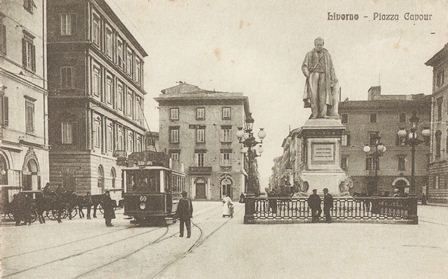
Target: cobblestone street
226,248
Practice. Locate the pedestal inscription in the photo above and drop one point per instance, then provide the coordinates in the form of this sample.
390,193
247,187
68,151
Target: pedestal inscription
323,152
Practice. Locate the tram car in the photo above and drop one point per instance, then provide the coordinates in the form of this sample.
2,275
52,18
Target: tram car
152,187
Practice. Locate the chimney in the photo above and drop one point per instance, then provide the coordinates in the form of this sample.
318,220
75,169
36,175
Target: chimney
374,92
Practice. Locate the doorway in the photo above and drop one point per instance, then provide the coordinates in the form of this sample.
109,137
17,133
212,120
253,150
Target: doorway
200,189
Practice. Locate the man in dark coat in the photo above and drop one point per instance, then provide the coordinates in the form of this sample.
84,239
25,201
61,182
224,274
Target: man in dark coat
108,207
88,203
184,212
328,205
314,203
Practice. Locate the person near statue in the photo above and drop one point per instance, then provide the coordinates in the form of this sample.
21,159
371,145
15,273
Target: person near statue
314,201
328,205
321,92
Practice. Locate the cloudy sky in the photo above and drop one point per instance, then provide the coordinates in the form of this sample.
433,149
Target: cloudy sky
257,47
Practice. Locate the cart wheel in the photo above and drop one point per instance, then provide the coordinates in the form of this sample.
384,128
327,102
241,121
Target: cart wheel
100,209
74,212
33,216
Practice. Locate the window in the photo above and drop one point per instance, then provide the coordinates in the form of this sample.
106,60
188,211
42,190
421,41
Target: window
138,70
200,113
109,42
200,135
120,53
402,117
5,111
138,144
96,81
113,176
438,143
129,62
97,132
226,134
436,182
96,30
199,158
226,158
174,134
439,108
427,140
401,162
29,5
67,132
2,38
174,114
446,143
28,52
344,118
110,137
120,96
68,24
345,140
130,104
120,138
3,171
440,79
373,137
139,115
344,163
29,115
175,155
370,163
226,113
67,77
373,118
109,89
130,146
100,177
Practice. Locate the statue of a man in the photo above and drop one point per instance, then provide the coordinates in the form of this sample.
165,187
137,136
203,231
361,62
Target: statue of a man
321,87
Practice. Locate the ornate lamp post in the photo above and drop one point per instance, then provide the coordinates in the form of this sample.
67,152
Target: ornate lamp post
253,148
379,150
413,141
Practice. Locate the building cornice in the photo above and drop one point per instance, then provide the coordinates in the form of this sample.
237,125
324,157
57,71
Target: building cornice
23,81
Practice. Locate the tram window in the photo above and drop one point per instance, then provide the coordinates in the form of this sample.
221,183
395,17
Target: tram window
143,181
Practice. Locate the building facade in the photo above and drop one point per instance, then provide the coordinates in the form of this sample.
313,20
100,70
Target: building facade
23,95
384,115
96,94
438,170
198,128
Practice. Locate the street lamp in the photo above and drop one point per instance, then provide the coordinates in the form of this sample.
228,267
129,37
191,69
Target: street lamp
413,141
252,147
379,150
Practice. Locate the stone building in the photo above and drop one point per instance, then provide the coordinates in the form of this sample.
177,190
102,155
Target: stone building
23,95
96,94
198,128
384,115
438,169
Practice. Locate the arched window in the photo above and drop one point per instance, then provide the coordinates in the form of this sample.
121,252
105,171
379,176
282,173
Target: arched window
3,171
100,177
30,177
113,175
438,143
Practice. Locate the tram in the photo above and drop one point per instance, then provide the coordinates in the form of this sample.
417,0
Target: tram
152,187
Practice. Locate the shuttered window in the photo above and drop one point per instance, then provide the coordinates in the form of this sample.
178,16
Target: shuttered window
66,77
28,53
68,24
5,111
67,132
29,116
2,38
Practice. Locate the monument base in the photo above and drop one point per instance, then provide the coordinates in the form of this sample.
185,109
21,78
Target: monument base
322,141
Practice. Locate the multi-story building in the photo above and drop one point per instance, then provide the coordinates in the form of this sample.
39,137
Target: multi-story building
384,115
96,94
23,94
438,169
198,128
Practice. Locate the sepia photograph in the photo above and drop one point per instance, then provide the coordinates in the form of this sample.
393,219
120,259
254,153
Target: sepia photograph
223,139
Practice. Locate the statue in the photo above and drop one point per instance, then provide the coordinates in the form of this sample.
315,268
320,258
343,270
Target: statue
321,88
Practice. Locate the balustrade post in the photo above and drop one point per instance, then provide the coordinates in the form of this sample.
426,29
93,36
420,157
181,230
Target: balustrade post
249,210
412,209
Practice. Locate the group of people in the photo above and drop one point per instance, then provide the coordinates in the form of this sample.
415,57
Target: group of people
314,202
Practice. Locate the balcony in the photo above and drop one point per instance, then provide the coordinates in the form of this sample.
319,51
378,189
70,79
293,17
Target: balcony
200,170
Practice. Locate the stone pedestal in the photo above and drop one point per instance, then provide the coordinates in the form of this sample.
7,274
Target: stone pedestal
322,144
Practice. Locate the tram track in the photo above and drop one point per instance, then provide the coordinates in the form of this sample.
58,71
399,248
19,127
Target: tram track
80,253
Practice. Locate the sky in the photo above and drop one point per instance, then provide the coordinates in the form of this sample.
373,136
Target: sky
257,47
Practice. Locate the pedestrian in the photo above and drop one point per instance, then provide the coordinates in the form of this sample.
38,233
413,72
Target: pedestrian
184,212
424,200
88,204
40,207
27,209
328,205
227,207
16,205
242,198
314,203
108,207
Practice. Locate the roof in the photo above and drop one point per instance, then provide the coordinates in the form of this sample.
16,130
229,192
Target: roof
443,53
103,4
385,104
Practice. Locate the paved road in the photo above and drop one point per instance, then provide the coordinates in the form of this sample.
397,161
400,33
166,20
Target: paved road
225,248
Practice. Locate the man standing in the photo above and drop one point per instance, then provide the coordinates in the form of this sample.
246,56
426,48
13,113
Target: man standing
184,212
321,87
108,207
314,203
88,203
328,205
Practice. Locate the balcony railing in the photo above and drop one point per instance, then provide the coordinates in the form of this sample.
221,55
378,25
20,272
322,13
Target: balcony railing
200,170
350,209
